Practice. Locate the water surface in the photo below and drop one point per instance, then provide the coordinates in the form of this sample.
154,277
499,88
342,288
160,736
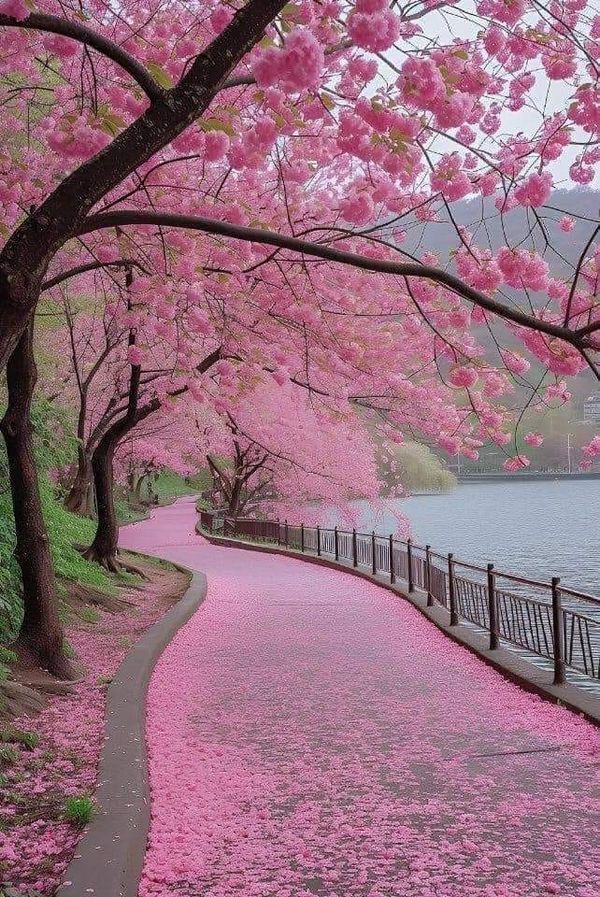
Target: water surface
540,529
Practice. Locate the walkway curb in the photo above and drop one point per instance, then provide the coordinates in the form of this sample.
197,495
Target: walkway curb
504,661
110,855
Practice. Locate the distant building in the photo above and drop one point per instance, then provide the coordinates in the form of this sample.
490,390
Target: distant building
591,409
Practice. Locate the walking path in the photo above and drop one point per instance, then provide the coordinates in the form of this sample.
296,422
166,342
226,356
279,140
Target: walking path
310,734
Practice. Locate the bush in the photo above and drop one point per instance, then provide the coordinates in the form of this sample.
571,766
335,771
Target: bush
8,755
418,468
79,810
29,740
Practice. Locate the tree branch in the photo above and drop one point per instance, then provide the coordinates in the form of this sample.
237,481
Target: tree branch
84,35
90,266
382,266
27,253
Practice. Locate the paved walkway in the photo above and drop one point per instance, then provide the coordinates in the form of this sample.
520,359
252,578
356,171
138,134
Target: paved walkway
311,735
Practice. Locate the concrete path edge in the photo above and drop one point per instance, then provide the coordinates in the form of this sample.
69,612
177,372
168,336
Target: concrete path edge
110,854
506,662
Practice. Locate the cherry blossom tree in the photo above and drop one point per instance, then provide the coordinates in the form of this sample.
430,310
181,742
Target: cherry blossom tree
317,136
281,450
134,353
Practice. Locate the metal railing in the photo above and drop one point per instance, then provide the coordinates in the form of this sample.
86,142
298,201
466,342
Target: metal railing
556,623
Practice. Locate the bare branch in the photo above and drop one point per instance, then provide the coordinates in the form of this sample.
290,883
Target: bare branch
89,266
124,218
89,38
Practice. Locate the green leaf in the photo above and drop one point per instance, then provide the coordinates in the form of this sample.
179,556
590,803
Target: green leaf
111,122
162,78
215,124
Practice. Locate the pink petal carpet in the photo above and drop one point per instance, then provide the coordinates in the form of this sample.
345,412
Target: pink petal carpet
311,735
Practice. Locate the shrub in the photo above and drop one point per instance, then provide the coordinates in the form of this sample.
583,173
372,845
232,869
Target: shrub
29,740
8,755
79,809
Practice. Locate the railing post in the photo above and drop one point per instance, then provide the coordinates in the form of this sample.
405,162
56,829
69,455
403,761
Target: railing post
428,575
319,541
354,549
452,591
278,531
302,538
409,557
373,558
492,607
335,541
392,571
286,534
558,641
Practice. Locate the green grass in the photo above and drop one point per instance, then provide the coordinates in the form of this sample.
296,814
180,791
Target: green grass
104,680
79,809
8,755
89,615
64,530
29,740
160,488
167,485
126,513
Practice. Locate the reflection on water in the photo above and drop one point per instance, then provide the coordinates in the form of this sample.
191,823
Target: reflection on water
539,529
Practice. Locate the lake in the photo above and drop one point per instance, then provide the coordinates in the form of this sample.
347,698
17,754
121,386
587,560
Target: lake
539,529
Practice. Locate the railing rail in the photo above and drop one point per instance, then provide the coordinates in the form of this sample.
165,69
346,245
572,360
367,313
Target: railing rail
501,603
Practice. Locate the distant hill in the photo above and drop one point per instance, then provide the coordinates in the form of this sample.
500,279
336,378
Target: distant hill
516,228
519,225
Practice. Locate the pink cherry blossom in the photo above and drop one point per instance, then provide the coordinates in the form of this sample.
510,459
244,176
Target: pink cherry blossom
373,25
533,439
535,190
463,376
517,462
15,8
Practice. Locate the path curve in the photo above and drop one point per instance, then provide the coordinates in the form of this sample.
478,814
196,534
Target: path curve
310,734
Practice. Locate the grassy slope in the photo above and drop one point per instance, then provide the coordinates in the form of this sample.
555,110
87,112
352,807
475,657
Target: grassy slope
65,530
167,487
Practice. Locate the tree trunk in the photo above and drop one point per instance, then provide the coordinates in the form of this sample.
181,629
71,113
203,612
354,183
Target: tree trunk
41,632
103,549
80,497
28,252
235,500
